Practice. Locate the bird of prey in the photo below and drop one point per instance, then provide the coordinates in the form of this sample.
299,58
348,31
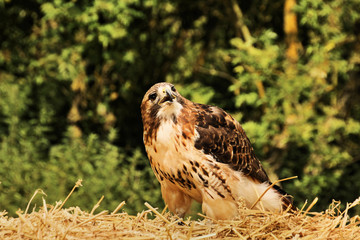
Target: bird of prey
200,152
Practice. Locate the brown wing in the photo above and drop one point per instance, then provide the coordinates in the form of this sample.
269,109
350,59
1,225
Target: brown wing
223,137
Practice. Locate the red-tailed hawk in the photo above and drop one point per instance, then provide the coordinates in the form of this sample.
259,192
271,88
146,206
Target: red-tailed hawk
200,152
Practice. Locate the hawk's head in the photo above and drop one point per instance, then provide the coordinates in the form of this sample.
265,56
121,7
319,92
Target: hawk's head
161,102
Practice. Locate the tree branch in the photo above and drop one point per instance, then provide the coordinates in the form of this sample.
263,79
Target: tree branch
240,21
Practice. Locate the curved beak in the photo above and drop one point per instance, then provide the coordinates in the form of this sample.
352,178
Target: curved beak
169,96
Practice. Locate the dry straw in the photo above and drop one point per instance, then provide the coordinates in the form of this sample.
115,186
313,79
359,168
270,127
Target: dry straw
55,222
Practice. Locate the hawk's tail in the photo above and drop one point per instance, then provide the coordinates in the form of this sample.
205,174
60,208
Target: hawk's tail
287,200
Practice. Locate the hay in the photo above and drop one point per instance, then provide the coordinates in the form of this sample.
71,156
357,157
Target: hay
54,222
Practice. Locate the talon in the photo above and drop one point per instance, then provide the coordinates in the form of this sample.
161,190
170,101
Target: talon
181,223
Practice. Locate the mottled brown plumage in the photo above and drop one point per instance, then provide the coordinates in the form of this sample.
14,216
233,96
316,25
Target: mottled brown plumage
224,138
200,152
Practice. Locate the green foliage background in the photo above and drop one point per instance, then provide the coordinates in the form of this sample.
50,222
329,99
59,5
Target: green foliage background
73,73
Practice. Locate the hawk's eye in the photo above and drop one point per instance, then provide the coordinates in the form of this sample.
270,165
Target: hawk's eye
173,89
152,96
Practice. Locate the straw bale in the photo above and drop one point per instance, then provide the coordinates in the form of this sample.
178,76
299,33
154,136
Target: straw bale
56,222
73,223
